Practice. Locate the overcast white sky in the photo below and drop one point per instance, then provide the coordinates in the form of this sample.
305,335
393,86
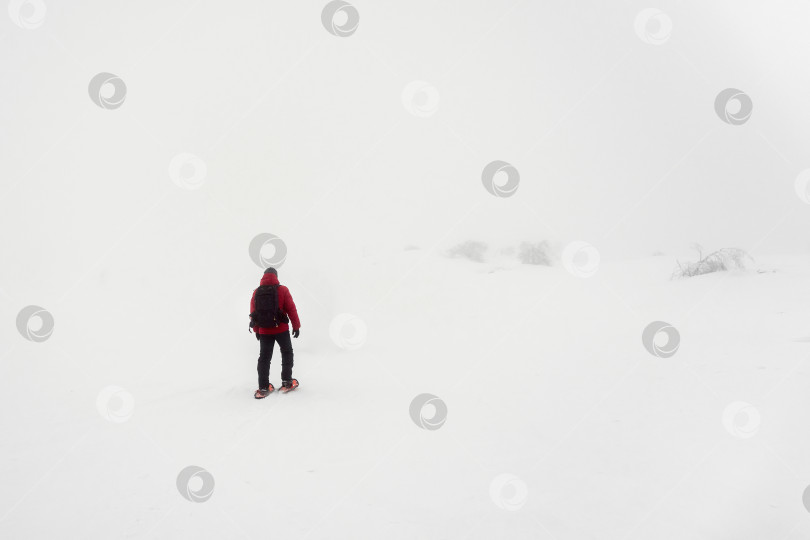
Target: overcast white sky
305,135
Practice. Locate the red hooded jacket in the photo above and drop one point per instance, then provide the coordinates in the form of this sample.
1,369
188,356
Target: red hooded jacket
285,303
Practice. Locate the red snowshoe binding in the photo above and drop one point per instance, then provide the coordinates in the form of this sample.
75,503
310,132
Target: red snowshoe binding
287,386
261,394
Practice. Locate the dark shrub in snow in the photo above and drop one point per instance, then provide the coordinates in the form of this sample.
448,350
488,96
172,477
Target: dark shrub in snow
535,253
717,261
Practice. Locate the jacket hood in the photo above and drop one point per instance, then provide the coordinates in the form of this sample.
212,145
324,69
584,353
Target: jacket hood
269,279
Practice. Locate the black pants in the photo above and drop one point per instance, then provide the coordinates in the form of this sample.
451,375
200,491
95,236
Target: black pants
267,341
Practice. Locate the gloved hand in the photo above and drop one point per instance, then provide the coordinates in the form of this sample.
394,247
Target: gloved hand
295,333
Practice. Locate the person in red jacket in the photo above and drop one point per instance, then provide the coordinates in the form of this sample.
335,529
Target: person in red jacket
271,308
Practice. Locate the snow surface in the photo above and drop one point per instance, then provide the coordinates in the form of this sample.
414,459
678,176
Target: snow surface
543,373
128,215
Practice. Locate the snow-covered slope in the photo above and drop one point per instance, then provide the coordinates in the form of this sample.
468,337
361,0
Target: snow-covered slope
544,376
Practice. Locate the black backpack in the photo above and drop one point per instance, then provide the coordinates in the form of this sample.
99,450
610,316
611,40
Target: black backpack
267,314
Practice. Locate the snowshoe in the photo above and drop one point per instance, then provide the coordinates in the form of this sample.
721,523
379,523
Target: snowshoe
263,393
287,386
